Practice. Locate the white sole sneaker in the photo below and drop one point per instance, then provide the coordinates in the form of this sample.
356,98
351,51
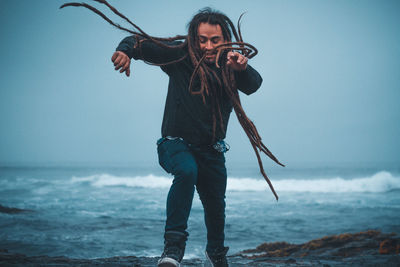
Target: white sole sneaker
168,262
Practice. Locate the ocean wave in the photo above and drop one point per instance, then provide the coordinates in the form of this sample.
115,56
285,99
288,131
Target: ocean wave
103,180
379,182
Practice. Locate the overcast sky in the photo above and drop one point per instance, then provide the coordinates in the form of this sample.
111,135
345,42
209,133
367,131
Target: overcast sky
331,85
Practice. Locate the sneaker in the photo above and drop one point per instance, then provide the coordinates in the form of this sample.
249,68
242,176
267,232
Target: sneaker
217,258
174,249
168,262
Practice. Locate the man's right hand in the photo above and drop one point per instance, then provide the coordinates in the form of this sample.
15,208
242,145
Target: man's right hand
121,61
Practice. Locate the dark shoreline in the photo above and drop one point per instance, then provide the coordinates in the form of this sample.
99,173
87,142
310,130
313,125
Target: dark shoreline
369,248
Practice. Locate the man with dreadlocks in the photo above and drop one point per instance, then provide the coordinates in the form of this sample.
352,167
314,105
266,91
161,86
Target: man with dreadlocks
194,124
206,69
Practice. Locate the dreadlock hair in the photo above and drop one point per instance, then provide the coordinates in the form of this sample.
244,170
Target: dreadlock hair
205,72
210,81
210,16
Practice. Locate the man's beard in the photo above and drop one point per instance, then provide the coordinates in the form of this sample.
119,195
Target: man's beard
210,58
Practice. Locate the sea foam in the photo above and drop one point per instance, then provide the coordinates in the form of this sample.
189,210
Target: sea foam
103,180
379,182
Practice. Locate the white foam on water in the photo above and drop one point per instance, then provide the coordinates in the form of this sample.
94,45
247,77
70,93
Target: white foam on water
103,180
379,182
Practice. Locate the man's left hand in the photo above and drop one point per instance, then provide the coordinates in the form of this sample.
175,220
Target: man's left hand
237,61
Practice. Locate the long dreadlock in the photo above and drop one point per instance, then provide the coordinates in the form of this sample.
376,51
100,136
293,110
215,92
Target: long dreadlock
202,71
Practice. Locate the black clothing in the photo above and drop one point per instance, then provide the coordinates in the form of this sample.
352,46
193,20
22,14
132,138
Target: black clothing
174,249
189,156
185,115
199,167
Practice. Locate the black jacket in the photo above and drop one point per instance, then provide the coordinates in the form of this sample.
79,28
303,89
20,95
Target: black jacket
185,115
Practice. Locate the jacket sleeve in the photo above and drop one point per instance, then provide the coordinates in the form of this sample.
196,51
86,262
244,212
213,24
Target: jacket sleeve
149,51
248,81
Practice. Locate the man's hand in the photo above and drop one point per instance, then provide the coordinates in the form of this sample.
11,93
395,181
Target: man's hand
237,61
121,61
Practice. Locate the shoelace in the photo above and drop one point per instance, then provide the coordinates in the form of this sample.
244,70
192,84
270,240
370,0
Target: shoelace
174,252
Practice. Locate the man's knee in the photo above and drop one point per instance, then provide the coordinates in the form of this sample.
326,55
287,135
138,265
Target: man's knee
186,173
212,203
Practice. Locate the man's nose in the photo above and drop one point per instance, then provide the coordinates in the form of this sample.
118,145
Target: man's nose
209,45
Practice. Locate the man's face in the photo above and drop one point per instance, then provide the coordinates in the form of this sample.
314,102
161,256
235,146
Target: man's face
209,36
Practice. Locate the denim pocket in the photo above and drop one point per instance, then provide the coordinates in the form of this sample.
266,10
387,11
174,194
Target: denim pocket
169,151
163,155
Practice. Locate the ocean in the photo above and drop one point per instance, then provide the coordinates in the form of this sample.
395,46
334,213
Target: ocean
96,211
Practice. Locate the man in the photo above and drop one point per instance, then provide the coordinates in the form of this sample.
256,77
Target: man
192,147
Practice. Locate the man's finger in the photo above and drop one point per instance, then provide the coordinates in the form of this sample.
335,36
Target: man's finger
126,65
128,71
117,60
114,56
121,62
123,68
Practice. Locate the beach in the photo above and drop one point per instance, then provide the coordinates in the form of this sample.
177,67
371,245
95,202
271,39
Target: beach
86,213
369,248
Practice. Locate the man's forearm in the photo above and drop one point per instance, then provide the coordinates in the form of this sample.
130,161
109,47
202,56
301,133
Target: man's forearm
149,51
249,80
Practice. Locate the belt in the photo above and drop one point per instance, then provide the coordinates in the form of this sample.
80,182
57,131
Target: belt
220,146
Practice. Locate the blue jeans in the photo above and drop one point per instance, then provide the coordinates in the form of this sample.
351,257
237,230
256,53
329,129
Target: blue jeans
201,167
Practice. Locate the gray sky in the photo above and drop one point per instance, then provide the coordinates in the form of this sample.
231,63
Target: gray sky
330,93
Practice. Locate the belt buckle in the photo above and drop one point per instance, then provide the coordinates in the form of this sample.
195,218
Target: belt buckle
221,146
